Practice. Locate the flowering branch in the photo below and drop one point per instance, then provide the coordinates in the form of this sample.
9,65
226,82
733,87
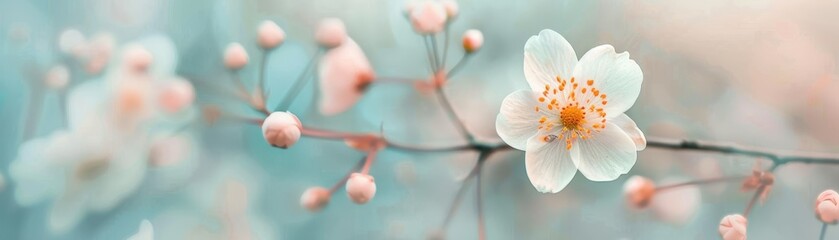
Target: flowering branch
777,157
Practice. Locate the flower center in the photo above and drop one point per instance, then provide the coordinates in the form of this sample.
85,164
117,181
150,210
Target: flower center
572,117
574,107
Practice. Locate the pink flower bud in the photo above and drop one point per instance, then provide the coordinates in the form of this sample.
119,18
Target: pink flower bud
137,59
57,77
472,40
269,35
733,227
235,57
639,191
281,129
827,206
345,73
451,8
176,95
331,33
315,198
361,188
428,17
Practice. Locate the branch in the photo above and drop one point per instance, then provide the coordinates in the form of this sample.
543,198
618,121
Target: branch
778,157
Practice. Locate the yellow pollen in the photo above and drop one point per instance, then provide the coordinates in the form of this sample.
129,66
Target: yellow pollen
572,117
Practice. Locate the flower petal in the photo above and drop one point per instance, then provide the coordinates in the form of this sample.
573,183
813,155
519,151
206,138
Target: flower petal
549,165
344,71
606,155
547,56
518,120
628,126
615,75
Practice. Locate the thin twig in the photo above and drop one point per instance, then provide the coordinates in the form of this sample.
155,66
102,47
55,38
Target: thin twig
457,198
752,202
458,65
33,112
447,106
699,182
777,157
479,202
261,85
445,46
431,60
434,49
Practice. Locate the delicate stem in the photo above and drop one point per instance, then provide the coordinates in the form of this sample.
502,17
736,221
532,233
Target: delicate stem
457,198
431,59
346,177
479,202
458,65
331,135
33,116
700,182
445,46
824,231
243,91
298,85
447,106
752,202
261,85
434,49
777,157
368,161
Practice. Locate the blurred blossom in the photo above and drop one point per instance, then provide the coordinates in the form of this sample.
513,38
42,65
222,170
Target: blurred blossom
269,35
315,198
472,40
639,191
345,73
561,133
235,56
101,158
678,205
331,33
57,77
146,232
428,17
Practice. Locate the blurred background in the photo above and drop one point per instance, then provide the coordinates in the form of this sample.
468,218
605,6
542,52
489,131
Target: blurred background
752,72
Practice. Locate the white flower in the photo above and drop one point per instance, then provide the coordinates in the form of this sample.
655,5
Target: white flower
573,116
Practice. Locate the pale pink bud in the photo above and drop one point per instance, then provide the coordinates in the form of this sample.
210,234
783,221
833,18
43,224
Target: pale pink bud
71,41
428,17
827,206
57,77
451,7
99,49
235,57
137,59
315,198
472,40
281,129
361,188
345,73
639,191
176,95
269,35
331,32
733,227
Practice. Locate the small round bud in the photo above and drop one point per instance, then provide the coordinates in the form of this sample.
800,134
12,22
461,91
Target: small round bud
331,33
281,129
176,95
733,227
315,198
269,35
361,188
235,57
452,8
472,40
639,191
57,77
827,207
137,59
71,41
428,17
